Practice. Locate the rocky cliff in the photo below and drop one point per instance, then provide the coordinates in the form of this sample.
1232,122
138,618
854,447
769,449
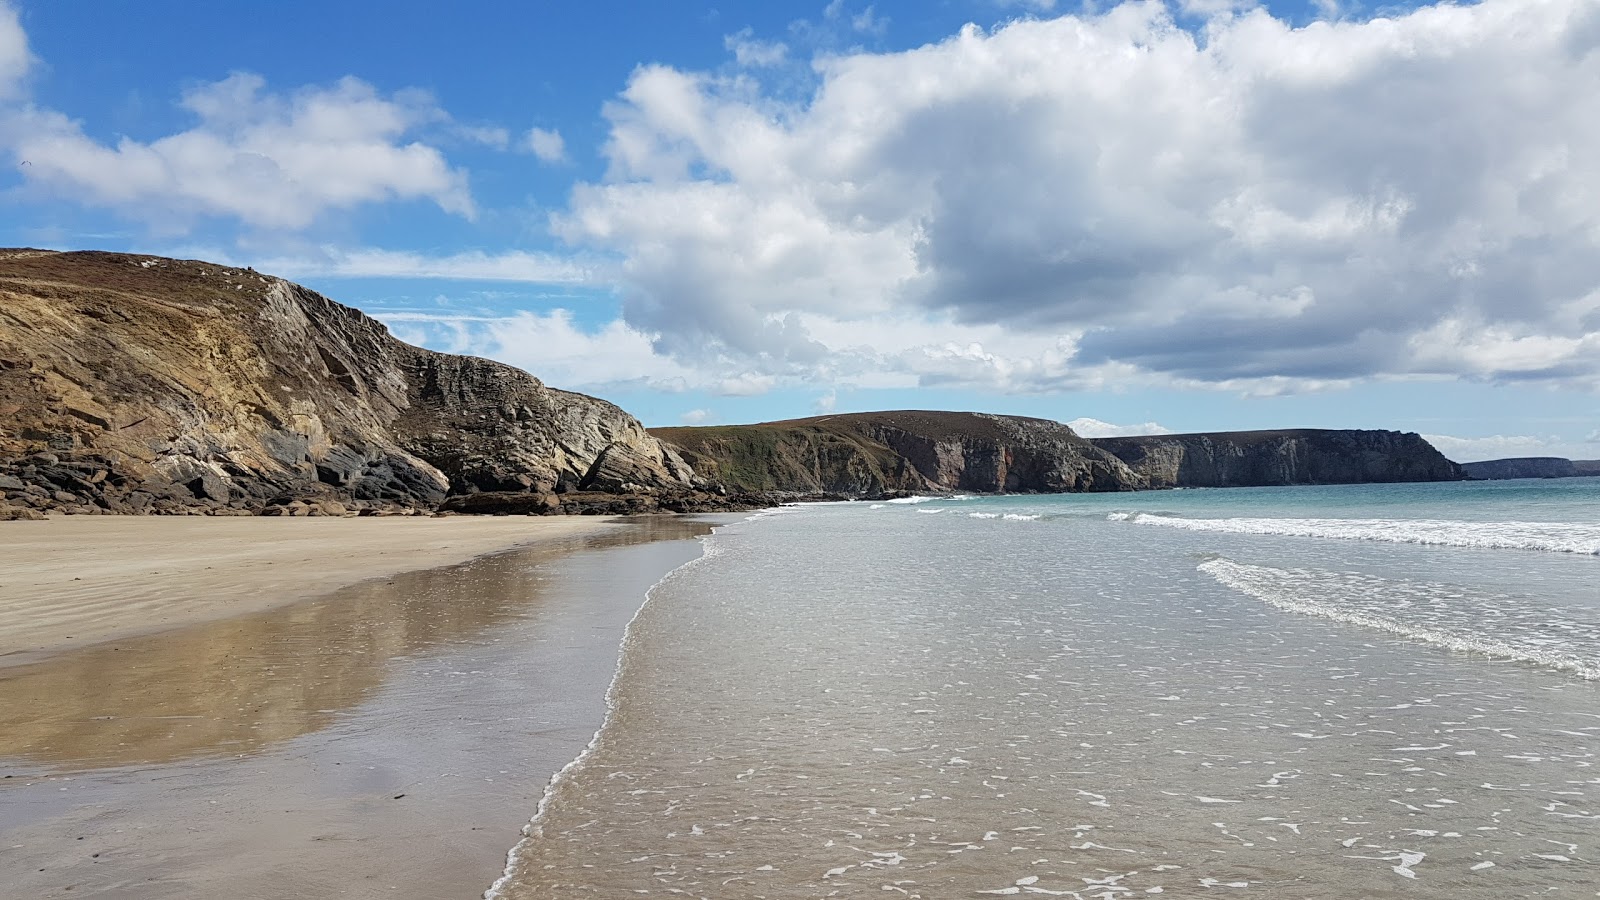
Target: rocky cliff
1300,456
1532,467
139,384
863,454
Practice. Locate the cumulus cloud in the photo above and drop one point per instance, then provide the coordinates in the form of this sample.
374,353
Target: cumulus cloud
1253,206
564,352
554,345
15,59
748,50
1497,446
546,144
1094,428
270,160
698,417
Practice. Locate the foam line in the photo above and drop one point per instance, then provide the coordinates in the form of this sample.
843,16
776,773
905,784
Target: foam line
1431,614
534,829
1555,537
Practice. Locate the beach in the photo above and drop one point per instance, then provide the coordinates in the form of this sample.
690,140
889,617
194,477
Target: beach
71,581
279,708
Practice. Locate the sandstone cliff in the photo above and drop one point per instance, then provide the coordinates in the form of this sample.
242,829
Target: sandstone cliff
1299,456
140,384
1532,467
863,454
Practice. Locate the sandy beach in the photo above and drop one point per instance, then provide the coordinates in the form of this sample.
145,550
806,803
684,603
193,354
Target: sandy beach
71,581
292,708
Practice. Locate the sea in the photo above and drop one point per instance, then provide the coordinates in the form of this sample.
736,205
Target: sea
1322,692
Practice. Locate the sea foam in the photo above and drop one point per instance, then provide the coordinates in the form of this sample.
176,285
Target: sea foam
1556,537
1494,625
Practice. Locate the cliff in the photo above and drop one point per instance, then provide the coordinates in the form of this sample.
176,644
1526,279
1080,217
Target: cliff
1299,456
863,454
138,384
1532,467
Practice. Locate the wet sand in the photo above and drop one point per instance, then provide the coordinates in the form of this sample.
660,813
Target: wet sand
389,739
71,581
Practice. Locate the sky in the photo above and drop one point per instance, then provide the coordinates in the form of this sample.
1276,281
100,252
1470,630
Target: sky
1142,217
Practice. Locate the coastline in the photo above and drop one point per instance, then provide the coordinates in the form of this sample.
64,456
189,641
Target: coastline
389,739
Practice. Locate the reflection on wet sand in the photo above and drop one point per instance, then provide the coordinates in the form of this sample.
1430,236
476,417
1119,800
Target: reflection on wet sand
236,686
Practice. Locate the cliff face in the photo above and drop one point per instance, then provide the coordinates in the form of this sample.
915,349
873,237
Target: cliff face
1301,456
869,453
1532,467
140,384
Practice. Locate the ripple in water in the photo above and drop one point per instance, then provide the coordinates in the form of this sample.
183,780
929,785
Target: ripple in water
842,703
1500,626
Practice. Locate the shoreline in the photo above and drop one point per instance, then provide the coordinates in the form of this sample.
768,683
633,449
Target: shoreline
389,739
58,576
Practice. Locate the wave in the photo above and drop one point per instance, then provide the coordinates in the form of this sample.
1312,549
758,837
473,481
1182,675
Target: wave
1498,626
1555,537
916,499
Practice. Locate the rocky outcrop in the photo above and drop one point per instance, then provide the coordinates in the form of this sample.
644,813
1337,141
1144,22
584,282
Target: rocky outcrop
1300,456
863,454
137,384
1532,467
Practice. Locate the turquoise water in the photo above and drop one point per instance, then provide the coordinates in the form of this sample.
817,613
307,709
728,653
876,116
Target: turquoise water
1361,691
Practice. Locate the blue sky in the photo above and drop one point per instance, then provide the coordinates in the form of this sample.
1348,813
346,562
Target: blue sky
1196,215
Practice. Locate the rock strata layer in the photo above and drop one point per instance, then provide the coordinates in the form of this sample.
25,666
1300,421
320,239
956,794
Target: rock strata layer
1532,467
864,454
1299,456
136,384
870,453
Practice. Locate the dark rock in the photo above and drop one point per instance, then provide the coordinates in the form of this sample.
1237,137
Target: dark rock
871,454
1532,467
173,382
9,513
1298,456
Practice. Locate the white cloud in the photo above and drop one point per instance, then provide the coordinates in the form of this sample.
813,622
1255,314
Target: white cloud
697,417
1262,207
750,51
270,160
825,403
15,58
551,345
511,266
487,135
560,350
1209,8
546,144
1094,428
1497,446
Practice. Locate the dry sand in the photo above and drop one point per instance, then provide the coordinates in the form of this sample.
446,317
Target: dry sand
388,739
71,581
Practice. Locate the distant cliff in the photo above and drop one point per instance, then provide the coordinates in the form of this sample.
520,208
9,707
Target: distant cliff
861,454
1532,467
140,384
1299,456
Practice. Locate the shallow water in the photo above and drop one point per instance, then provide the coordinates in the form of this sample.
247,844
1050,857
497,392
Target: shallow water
385,741
1005,696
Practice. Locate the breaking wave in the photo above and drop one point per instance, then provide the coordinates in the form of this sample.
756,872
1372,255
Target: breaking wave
1494,625
1556,537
